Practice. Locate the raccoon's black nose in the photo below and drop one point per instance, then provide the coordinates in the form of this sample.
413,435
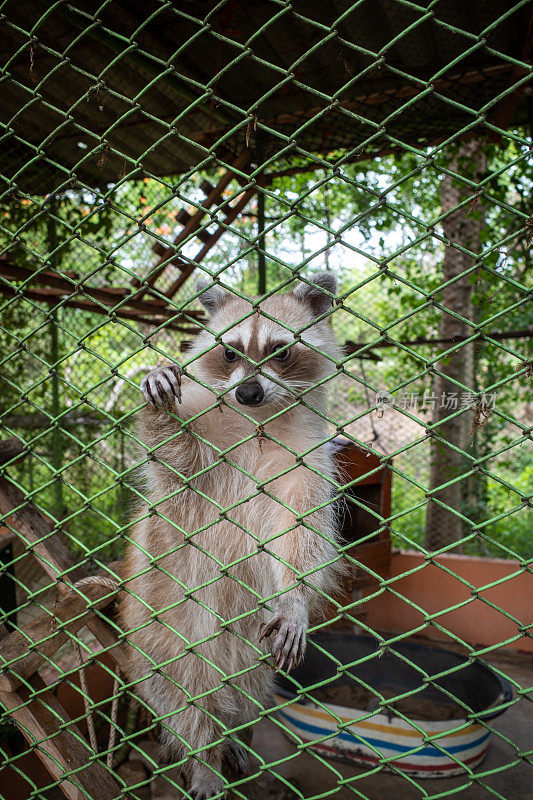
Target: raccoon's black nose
250,393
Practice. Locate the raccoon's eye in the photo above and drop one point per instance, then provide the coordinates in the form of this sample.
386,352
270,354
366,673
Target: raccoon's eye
279,354
230,355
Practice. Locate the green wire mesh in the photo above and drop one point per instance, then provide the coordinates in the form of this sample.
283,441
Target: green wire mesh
256,144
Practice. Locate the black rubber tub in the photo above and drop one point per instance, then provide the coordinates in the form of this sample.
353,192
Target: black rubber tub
355,707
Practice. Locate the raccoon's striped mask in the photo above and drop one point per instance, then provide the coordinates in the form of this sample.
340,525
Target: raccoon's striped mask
270,352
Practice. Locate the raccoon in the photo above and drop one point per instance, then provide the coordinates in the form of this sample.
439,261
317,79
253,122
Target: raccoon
236,546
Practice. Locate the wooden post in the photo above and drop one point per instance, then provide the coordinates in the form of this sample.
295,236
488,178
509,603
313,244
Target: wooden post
261,260
57,449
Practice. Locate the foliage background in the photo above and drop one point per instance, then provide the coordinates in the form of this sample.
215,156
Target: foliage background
377,225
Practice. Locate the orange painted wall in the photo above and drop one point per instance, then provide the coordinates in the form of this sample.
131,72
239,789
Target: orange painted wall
433,589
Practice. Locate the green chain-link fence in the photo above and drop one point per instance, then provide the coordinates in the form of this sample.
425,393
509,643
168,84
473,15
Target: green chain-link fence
180,550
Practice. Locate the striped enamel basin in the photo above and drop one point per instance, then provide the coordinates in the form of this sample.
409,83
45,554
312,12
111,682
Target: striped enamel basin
423,747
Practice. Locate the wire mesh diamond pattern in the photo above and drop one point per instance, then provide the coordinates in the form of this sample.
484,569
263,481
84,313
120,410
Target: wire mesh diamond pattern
265,490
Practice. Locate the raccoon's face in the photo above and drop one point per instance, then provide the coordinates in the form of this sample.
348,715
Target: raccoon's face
268,356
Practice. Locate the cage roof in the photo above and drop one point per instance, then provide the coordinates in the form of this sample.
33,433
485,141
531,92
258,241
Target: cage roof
96,92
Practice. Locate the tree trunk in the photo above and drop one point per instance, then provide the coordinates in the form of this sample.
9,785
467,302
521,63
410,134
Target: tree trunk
461,227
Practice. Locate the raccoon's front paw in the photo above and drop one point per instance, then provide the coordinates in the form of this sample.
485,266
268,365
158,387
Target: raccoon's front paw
162,385
289,644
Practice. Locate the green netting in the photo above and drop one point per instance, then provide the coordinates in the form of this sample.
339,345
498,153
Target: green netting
350,462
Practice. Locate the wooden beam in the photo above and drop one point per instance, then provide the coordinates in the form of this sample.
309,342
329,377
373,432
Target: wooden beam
194,222
183,218
11,448
53,297
110,295
159,249
70,286
59,743
187,270
23,651
39,537
206,187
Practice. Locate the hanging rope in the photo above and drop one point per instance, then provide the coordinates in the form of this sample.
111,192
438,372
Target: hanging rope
112,585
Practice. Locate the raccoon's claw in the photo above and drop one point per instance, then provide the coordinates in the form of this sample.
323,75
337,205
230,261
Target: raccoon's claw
204,783
162,386
289,645
236,758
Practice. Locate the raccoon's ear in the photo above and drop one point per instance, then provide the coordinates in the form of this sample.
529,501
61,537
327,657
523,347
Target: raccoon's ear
318,292
212,296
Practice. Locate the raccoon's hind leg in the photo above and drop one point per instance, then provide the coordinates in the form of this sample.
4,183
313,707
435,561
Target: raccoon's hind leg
204,770
196,731
236,755
204,783
234,752
255,684
188,734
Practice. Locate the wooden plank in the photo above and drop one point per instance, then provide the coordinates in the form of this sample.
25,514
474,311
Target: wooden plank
6,536
37,534
206,187
65,285
62,750
187,270
24,651
10,448
54,298
195,221
70,286
42,720
183,217
159,249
